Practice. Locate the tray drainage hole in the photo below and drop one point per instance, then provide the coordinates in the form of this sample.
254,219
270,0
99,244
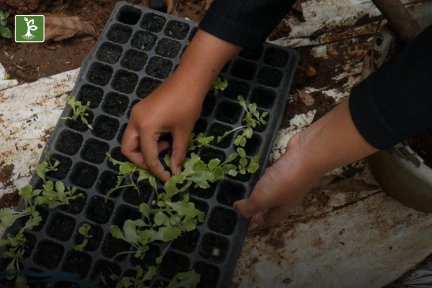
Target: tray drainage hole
236,88
252,145
75,206
208,105
251,54
112,246
209,274
228,112
96,234
119,33
269,76
105,127
159,67
109,53
146,86
276,57
84,175
203,193
200,126
208,154
117,155
134,60
186,242
129,15
69,142
176,29
48,254
99,211
115,104
100,74
168,48
78,124
125,81
173,263
108,180
217,130
92,94
214,247
78,263
152,22
243,69
61,227
229,192
143,40
222,220
108,270
94,151
133,197
264,98
62,169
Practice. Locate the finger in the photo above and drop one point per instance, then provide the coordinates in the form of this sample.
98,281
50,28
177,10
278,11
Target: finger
162,146
272,216
150,152
180,145
131,146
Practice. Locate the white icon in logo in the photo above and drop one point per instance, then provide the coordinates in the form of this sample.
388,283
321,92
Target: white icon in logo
30,27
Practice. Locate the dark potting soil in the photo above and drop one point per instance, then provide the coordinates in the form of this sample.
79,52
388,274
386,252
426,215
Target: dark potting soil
153,22
276,57
146,86
422,145
136,198
208,154
229,192
61,227
48,254
143,40
134,60
100,74
159,67
200,126
129,15
203,193
186,242
173,263
217,130
29,244
125,81
109,53
251,54
228,112
115,104
149,258
214,247
112,246
222,220
78,263
96,234
176,29
108,271
117,155
209,274
269,76
263,97
243,69
78,124
94,151
119,33
236,88
92,94
75,206
108,180
99,211
105,127
84,175
62,169
208,105
125,212
69,142
168,48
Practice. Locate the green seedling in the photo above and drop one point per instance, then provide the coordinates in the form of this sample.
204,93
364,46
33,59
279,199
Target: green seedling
15,252
139,280
185,280
218,85
4,30
199,141
79,110
56,194
83,230
46,166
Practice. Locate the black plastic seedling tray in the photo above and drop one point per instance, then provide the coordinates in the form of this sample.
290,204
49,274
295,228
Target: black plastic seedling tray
136,51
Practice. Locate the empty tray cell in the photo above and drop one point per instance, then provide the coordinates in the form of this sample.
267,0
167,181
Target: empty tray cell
129,15
146,86
214,247
96,234
123,213
108,271
100,74
107,180
186,242
119,33
94,151
229,192
153,22
134,60
208,154
236,88
222,220
77,262
92,94
61,227
203,193
69,142
121,132
192,34
173,263
149,259
115,104
75,206
143,40
228,112
112,246
125,81
269,76
252,145
176,29
209,274
263,97
251,54
48,254
98,210
84,175
243,69
168,48
117,155
217,130
159,67
109,53
62,169
208,105
105,127
132,196
276,57
78,124
200,126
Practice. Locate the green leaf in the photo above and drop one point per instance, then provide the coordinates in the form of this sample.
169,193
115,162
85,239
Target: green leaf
144,209
218,84
167,160
185,280
213,164
5,32
152,181
160,218
242,102
241,152
248,132
243,162
253,165
26,192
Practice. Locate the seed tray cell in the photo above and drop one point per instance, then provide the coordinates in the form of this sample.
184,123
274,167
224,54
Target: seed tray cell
137,50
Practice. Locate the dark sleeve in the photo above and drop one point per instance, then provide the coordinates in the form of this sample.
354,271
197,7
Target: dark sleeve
395,102
245,23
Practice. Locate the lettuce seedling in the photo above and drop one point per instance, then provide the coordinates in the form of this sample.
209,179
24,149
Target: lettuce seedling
199,141
16,250
56,194
139,280
79,110
4,30
185,280
46,166
218,85
83,230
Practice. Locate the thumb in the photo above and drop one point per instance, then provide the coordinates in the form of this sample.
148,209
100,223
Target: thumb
180,145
